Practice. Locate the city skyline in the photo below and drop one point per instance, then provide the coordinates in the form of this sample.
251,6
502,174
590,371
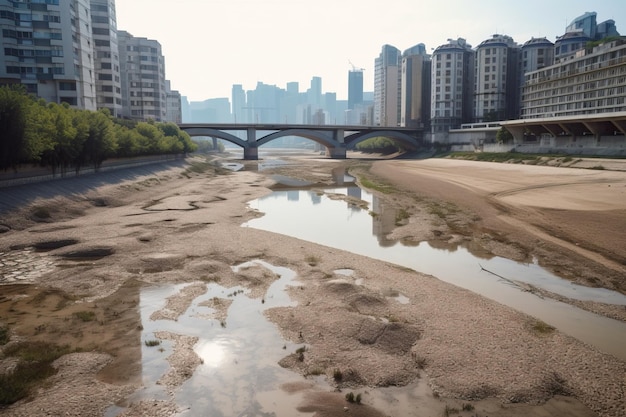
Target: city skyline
257,51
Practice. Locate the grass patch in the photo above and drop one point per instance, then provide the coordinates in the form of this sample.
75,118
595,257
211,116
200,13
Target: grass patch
85,316
383,188
35,365
316,371
152,342
401,216
541,327
513,157
312,260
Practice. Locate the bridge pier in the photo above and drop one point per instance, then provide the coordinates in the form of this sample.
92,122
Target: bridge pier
336,153
251,154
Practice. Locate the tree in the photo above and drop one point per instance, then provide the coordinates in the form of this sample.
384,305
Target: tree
13,115
504,136
149,137
100,143
170,129
67,145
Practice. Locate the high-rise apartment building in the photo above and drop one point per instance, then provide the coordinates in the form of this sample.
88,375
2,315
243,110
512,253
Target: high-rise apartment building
47,46
591,83
106,53
144,92
497,79
415,87
537,53
452,85
387,79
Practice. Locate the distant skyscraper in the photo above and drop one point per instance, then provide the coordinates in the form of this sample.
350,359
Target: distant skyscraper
106,53
415,87
143,78
355,87
238,104
497,80
48,47
387,87
452,86
315,93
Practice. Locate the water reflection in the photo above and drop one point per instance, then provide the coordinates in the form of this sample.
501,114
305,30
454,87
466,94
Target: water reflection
344,225
240,354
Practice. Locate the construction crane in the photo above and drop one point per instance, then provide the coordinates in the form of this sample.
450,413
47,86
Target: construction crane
354,68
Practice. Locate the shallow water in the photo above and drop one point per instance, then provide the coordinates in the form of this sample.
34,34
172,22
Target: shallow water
240,374
345,226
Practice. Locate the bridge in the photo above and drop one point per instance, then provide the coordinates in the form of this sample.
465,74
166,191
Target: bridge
337,139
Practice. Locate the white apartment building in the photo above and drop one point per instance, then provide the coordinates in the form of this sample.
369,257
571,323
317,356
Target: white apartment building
107,60
497,79
144,93
47,46
452,83
593,82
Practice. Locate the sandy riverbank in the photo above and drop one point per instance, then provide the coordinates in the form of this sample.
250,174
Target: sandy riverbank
183,226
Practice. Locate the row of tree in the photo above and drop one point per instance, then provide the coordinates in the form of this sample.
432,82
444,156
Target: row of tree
33,131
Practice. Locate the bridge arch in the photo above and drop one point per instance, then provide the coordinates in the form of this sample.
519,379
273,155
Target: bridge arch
315,136
215,133
358,137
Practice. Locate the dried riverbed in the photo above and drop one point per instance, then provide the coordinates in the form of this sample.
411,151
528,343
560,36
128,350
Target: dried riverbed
180,227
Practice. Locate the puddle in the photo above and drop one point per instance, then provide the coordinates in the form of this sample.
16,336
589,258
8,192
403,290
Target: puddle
233,166
240,374
348,227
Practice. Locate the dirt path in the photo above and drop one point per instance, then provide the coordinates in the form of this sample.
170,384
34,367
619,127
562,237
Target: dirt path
99,248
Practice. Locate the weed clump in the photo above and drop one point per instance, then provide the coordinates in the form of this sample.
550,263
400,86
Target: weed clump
351,398
153,342
85,315
337,375
4,335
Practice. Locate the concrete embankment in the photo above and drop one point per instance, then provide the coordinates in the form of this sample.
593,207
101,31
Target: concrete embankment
25,186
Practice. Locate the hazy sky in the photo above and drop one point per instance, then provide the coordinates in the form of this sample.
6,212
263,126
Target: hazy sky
209,45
